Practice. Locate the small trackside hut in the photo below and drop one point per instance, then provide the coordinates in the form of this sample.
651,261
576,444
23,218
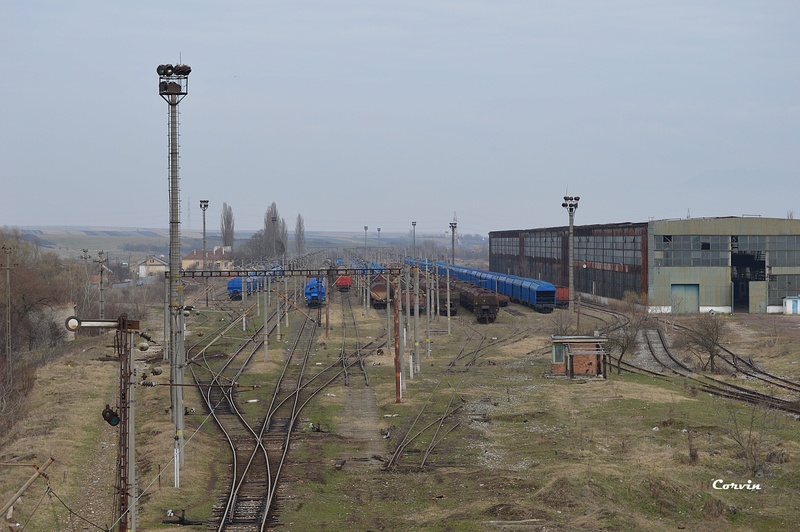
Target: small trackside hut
579,356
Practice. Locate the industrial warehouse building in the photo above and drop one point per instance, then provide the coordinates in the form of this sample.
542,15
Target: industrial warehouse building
732,264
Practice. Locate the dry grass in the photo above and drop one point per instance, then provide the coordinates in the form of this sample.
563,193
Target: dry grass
531,453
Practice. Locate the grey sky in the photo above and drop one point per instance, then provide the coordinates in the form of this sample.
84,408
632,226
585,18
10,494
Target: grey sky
379,113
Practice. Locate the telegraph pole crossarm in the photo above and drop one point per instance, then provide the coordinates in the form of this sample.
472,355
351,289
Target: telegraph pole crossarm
39,473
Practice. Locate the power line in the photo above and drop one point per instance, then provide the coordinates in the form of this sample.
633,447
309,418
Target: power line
71,511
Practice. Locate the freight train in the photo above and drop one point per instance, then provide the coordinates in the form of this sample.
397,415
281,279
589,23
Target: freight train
343,282
408,299
378,292
539,295
480,301
252,283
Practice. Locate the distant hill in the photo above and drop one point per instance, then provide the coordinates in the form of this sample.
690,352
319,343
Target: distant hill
131,244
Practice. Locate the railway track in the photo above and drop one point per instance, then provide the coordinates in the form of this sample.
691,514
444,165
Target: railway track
712,385
431,427
659,351
260,447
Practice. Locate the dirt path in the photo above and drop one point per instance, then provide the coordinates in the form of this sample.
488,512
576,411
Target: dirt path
363,428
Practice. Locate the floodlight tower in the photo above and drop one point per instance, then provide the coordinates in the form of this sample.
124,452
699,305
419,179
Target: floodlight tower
173,86
571,204
414,239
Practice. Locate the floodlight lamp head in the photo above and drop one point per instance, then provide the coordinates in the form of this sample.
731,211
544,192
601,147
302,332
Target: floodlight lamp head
182,70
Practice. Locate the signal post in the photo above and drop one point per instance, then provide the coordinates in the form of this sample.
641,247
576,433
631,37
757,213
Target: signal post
123,416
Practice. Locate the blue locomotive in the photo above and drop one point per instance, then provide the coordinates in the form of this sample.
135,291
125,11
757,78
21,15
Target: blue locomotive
539,295
314,292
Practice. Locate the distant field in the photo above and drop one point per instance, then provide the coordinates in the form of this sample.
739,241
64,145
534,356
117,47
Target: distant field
135,244
70,242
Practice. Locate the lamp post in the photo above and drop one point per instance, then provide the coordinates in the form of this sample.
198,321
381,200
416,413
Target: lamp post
414,239
365,242
453,242
204,207
571,204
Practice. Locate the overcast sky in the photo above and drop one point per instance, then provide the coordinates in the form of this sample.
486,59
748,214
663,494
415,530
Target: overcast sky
382,112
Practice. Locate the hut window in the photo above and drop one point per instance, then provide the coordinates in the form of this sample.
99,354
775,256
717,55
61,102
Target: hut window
558,353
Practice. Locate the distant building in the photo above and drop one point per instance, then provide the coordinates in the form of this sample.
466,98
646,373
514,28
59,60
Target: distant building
745,264
152,267
220,258
791,305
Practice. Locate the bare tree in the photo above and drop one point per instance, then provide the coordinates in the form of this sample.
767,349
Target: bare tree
275,232
300,235
704,335
635,317
560,323
752,427
270,240
226,225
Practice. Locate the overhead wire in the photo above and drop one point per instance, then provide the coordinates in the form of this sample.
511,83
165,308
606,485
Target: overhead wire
72,512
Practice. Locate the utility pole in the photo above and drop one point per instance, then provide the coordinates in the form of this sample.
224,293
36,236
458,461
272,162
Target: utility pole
447,270
9,371
100,260
173,86
428,291
398,364
204,207
366,274
416,319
